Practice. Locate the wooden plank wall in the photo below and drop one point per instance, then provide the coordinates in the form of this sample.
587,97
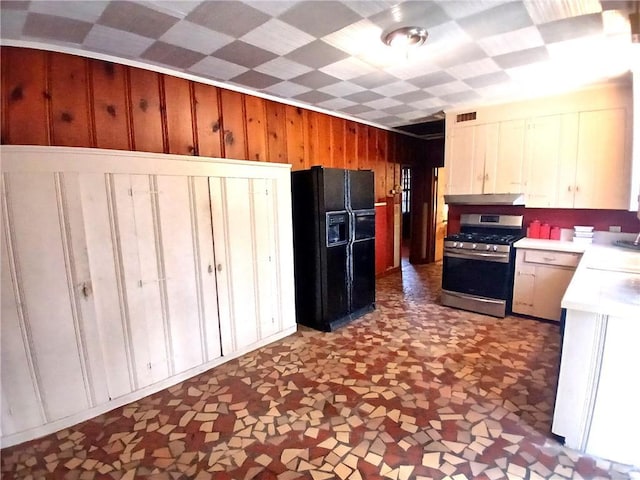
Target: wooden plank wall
51,98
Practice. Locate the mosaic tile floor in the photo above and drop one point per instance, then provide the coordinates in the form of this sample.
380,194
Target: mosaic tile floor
413,390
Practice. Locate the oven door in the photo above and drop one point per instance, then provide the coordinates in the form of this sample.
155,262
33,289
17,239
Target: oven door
477,281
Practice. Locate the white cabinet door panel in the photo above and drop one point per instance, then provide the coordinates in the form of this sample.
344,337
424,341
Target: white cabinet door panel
41,263
207,291
137,247
459,163
509,171
181,268
233,232
20,402
264,239
106,283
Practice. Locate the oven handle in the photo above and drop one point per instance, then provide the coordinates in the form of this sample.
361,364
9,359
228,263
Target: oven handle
474,298
489,257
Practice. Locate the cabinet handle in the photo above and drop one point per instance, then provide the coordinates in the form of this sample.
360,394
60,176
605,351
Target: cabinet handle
219,267
210,269
569,188
549,259
86,290
577,188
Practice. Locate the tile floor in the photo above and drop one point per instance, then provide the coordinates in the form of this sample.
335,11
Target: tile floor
413,390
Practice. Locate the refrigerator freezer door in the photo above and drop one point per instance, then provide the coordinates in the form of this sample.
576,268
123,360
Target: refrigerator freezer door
361,189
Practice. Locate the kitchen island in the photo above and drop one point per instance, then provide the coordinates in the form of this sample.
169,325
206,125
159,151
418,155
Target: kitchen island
599,386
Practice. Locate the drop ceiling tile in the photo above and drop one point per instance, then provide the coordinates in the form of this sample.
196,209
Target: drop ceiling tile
287,89
171,55
175,8
375,79
383,103
432,79
447,88
461,97
12,23
496,20
372,115
253,79
216,68
394,89
77,10
397,109
465,8
415,67
356,109
231,17
134,18
355,38
243,54
277,37
49,27
521,39
283,68
342,89
313,97
487,79
315,79
319,18
362,97
14,5
335,104
317,54
419,13
195,37
368,8
430,104
412,96
522,57
347,69
271,8
570,28
463,53
116,42
473,69
545,12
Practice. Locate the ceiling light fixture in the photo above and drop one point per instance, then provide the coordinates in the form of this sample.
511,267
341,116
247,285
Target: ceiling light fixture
405,37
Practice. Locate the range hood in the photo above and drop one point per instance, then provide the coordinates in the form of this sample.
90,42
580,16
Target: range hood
486,199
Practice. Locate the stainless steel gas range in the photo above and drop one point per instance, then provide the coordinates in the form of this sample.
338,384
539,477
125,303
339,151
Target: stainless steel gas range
478,264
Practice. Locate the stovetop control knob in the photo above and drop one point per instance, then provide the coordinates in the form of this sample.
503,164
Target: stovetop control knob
495,248
488,247
474,246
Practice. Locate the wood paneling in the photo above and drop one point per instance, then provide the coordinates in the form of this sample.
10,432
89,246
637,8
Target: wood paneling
25,119
337,142
178,116
71,122
233,122
145,111
277,132
58,99
110,106
295,132
208,120
256,121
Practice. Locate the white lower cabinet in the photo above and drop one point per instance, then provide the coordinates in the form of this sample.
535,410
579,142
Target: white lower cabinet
541,278
124,273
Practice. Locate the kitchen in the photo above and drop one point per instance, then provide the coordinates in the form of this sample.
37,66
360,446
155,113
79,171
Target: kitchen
253,128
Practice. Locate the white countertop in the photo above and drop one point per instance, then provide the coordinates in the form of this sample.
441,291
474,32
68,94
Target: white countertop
554,245
607,281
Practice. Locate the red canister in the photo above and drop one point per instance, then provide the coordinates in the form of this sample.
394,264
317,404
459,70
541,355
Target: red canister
534,229
555,233
545,231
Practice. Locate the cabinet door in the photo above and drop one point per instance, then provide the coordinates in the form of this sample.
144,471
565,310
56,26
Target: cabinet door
550,285
567,163
52,324
523,286
460,161
542,161
602,174
510,158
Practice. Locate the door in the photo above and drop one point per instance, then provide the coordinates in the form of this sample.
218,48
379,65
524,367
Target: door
542,160
509,167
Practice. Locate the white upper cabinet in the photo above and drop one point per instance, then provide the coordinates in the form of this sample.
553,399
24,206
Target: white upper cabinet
124,273
562,152
602,175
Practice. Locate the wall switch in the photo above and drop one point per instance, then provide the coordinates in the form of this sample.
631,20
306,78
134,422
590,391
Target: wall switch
615,228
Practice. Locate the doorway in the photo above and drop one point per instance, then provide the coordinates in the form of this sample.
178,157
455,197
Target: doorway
405,205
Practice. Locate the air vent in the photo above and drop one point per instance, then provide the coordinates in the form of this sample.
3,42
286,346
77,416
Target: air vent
465,117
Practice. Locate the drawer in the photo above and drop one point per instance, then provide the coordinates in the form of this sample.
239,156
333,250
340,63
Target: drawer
546,257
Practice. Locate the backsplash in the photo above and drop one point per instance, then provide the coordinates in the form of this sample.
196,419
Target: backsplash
555,217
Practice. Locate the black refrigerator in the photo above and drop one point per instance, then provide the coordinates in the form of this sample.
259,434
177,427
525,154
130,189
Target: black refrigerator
334,245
